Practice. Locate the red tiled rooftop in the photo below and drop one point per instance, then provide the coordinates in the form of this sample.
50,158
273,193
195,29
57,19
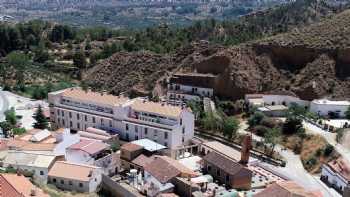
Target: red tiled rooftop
89,146
131,147
286,189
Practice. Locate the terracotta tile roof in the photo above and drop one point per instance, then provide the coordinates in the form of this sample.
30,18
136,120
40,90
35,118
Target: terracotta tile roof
142,160
162,170
72,171
185,171
89,146
341,167
157,108
285,189
13,185
89,96
224,163
131,147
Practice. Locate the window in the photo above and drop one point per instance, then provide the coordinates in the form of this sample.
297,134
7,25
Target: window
165,144
165,135
78,125
70,183
41,172
218,172
136,137
70,114
78,116
209,168
54,180
183,139
183,130
80,184
62,113
64,124
136,129
62,182
86,118
93,120
110,123
146,130
180,121
227,178
70,123
127,127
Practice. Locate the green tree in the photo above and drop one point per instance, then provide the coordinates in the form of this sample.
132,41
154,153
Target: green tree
10,117
292,125
6,127
79,60
41,121
255,119
271,137
347,113
230,127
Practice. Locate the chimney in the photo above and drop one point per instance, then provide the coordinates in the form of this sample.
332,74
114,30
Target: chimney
245,151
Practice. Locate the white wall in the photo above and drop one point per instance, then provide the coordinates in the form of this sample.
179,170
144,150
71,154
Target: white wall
78,156
333,178
324,109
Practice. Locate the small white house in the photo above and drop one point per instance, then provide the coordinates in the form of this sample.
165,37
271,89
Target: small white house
36,163
324,107
75,177
337,174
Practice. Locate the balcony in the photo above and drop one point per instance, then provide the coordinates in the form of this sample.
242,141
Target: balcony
151,121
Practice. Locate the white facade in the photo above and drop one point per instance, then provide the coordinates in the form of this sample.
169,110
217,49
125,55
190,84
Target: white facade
155,187
324,107
171,130
270,99
333,178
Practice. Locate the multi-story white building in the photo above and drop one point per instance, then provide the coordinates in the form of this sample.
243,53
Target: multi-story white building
132,119
260,100
186,87
324,107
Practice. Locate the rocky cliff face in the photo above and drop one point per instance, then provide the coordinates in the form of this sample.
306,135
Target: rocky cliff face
311,62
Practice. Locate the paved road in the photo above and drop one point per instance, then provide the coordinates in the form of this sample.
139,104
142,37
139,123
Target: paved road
4,105
294,168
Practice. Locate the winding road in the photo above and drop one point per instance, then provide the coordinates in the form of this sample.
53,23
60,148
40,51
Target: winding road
4,105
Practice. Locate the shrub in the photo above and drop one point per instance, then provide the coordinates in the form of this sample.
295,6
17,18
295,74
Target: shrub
328,150
268,122
260,130
255,119
18,131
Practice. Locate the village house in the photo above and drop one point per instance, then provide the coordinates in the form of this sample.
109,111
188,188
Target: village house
133,152
75,177
160,174
227,171
260,100
16,185
171,126
333,109
287,189
189,87
336,174
35,163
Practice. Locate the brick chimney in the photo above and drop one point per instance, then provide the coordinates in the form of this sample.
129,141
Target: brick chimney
245,151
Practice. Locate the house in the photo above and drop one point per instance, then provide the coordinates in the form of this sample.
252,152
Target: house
336,174
260,100
274,110
36,163
75,177
227,171
16,185
286,189
187,87
325,107
131,119
161,172
140,162
87,151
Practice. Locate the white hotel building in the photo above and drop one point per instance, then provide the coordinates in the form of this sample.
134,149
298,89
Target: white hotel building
132,119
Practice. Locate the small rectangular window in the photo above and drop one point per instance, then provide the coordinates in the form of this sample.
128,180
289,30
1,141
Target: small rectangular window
127,127
165,135
41,172
70,123
70,114
80,184
93,120
86,118
146,131
70,183
62,182
78,125
78,116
